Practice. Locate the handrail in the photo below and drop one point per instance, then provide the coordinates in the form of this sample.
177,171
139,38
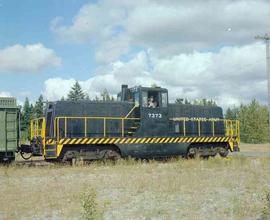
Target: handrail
135,106
85,120
232,127
37,128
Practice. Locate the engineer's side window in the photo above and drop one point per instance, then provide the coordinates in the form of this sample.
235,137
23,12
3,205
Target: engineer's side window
164,99
144,99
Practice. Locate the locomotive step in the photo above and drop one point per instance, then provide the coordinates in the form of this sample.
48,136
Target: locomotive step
133,128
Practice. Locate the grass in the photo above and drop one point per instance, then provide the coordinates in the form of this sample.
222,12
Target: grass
234,188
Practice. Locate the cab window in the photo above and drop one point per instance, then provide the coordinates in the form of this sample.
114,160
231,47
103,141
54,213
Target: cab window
144,99
136,98
164,99
153,99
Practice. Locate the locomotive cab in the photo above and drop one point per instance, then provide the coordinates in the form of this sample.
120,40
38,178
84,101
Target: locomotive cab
152,108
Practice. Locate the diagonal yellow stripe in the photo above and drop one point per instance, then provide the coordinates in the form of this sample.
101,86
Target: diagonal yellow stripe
61,141
148,140
117,140
84,140
66,141
107,140
122,141
189,140
133,140
182,140
128,140
171,140
202,139
90,141
209,139
176,140
95,141
137,140
143,140
162,140
78,141
153,140
157,140
101,141
167,140
193,139
112,140
72,141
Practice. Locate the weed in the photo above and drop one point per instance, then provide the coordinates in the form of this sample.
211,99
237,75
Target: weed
91,210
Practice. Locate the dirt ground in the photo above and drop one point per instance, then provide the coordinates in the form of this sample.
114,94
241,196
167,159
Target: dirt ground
234,188
254,150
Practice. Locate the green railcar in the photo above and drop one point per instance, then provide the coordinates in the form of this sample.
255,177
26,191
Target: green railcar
9,129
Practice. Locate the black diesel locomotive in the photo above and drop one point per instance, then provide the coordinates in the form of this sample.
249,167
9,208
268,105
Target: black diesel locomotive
140,124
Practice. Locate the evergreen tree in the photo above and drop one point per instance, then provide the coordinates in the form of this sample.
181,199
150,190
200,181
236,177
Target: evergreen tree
39,107
232,113
87,97
76,93
26,114
187,102
106,96
179,101
204,102
253,123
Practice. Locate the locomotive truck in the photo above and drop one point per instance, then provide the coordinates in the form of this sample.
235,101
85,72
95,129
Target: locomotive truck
141,123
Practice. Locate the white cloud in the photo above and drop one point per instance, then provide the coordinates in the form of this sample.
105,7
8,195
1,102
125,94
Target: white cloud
5,94
168,27
28,58
195,50
230,76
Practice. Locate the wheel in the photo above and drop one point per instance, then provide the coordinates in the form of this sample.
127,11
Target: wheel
223,152
111,155
192,152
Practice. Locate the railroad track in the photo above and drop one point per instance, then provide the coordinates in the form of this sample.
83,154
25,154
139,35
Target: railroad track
33,163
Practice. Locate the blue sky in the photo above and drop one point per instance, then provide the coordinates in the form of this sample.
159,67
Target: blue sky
46,45
28,22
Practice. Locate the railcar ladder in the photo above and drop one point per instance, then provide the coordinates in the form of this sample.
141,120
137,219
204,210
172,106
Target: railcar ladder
10,128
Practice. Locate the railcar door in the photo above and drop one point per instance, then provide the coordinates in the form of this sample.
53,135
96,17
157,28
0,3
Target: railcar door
154,119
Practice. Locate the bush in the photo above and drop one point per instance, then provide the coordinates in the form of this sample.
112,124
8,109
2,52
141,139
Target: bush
90,205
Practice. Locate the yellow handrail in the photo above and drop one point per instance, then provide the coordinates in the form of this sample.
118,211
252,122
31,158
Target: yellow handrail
37,128
135,106
86,120
232,127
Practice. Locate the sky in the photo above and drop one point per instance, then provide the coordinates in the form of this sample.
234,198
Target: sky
196,49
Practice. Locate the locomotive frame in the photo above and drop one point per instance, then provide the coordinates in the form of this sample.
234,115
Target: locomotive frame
142,132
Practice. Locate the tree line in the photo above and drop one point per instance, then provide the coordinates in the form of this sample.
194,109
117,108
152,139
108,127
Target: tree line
253,116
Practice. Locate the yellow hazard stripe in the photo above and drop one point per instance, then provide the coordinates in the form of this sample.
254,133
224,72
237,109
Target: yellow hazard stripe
95,141
176,140
148,140
133,140
112,140
66,141
78,141
72,141
84,140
